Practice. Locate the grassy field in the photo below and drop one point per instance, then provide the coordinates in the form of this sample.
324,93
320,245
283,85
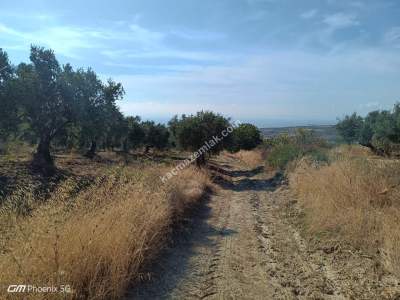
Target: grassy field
95,227
355,199
97,224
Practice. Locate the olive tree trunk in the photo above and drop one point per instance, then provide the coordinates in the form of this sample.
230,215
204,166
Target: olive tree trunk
42,159
92,151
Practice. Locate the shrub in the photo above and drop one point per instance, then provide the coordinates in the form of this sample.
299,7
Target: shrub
284,148
379,130
245,137
282,154
350,127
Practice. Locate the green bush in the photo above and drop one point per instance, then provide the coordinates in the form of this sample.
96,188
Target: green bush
284,148
282,154
379,130
245,137
319,155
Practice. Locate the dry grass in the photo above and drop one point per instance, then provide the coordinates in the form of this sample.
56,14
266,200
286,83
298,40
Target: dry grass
252,158
355,197
98,241
352,151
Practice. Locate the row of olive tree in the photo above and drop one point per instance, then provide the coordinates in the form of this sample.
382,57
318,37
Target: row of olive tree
57,104
207,130
54,105
379,130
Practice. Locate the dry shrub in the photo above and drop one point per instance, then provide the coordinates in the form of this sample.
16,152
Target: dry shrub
351,151
252,158
99,241
356,198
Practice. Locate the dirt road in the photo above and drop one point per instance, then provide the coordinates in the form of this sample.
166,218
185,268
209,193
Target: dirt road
244,244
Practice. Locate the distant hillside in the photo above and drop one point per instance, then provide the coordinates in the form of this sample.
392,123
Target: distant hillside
327,132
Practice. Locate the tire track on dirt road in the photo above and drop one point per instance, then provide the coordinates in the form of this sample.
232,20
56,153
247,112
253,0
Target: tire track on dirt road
241,245
218,257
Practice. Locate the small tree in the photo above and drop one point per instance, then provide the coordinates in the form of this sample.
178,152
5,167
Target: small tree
246,137
350,127
8,104
156,136
196,132
173,127
100,112
135,133
379,130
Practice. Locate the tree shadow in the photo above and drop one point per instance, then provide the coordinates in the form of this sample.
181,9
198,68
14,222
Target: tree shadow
248,183
155,157
236,173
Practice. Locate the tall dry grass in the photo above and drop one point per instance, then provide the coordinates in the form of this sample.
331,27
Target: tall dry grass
252,158
355,197
98,241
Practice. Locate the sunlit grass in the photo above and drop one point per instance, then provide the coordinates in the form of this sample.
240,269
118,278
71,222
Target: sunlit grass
357,198
98,240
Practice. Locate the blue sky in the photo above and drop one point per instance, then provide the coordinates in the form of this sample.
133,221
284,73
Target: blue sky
272,62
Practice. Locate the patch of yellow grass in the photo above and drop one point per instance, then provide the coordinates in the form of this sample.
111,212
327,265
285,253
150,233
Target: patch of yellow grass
351,151
356,197
252,158
99,241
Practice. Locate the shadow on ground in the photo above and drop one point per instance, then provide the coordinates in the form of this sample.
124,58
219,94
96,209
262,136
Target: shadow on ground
235,173
196,233
248,183
173,263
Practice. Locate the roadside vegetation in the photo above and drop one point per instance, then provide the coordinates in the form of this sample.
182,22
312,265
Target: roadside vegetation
379,130
350,193
285,149
97,240
355,199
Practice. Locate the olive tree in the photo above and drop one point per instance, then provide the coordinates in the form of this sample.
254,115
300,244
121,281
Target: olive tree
44,92
206,133
8,105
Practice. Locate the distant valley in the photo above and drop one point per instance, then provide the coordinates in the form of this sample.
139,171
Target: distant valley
327,132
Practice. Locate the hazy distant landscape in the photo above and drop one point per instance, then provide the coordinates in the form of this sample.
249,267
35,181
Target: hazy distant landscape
327,132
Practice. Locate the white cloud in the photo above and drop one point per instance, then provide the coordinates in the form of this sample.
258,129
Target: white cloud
309,14
145,37
340,20
392,36
281,84
63,40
